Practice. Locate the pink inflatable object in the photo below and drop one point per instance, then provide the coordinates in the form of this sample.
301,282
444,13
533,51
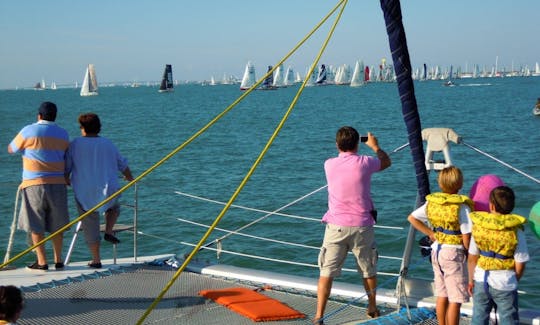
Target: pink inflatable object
482,188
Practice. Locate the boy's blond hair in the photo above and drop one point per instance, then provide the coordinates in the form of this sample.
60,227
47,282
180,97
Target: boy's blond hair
450,180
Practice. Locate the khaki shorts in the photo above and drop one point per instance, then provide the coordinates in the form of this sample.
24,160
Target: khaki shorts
339,240
450,270
43,208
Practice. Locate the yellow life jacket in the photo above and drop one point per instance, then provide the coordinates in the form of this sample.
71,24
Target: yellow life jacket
443,214
496,238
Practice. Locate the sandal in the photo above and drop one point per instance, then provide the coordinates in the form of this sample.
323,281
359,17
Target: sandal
317,321
94,265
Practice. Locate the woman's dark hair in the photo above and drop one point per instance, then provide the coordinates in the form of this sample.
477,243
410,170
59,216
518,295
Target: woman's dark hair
90,123
11,302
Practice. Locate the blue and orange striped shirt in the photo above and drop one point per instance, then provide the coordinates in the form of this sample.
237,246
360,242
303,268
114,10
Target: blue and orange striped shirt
43,147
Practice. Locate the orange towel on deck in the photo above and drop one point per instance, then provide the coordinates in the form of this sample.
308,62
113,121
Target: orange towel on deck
252,304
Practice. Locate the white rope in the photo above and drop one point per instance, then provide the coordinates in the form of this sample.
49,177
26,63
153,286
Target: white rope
12,229
231,232
501,162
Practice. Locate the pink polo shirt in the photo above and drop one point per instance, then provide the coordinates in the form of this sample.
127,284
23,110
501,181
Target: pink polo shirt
349,189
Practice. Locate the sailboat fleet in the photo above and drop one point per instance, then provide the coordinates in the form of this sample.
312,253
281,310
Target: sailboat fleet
342,75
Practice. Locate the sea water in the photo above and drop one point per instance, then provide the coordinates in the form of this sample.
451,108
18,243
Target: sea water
491,114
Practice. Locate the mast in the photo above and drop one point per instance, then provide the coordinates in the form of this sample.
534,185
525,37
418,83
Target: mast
402,65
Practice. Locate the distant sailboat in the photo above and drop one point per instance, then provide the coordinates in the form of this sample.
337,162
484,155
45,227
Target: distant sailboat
248,79
357,79
289,77
40,85
321,77
90,85
268,83
167,80
367,75
298,77
53,85
312,78
279,77
536,72
342,76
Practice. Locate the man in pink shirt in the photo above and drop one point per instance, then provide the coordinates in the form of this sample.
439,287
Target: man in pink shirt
350,216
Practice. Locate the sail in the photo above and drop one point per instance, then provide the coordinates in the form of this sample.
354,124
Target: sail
298,78
279,77
40,85
248,79
358,75
342,76
367,76
321,77
89,86
289,77
268,83
312,78
167,80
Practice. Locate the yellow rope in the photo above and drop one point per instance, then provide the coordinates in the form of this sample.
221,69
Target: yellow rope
175,151
341,3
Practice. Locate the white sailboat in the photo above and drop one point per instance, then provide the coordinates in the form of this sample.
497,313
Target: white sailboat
40,85
53,85
289,77
279,77
536,72
90,85
357,79
167,85
298,77
312,78
342,76
248,79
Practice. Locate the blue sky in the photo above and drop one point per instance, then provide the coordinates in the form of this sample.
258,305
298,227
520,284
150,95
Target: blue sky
133,40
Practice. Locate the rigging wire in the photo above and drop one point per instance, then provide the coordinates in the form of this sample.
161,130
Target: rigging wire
342,4
501,162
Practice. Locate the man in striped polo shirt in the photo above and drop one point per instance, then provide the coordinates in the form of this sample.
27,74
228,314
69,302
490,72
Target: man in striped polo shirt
43,189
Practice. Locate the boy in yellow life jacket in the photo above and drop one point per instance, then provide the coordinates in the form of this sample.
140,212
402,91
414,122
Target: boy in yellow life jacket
447,212
497,256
